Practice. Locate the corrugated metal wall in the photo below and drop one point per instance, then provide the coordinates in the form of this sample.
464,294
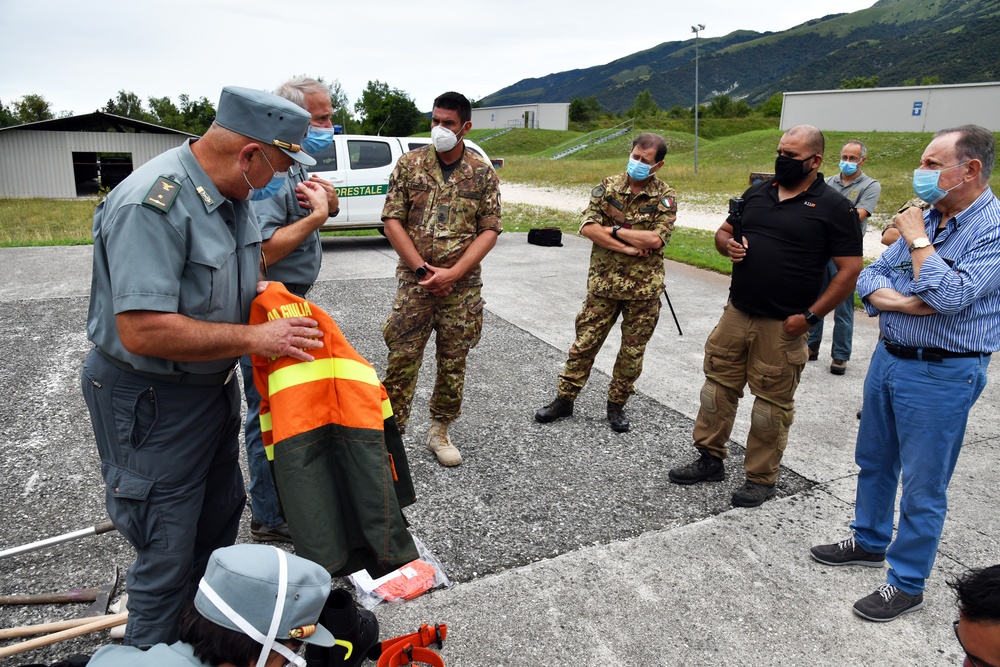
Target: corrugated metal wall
910,109
35,163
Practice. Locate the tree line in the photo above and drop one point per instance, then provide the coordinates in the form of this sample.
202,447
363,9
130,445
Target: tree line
585,110
380,109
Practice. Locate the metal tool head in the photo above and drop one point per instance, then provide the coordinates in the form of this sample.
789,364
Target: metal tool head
100,605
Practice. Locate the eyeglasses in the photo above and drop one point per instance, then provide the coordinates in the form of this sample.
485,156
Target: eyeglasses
968,656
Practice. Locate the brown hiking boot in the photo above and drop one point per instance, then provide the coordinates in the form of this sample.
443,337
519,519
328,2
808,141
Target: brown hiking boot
439,443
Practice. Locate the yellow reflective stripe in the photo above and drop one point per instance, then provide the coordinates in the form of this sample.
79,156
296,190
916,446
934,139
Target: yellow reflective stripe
265,422
269,450
320,369
386,409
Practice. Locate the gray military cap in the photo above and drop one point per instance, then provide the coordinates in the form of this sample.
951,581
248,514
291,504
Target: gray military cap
265,117
241,586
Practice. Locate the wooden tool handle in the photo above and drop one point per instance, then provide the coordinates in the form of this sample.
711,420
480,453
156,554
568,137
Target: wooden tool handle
101,623
42,628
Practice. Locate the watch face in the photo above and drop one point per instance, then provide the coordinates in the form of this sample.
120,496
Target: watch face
421,272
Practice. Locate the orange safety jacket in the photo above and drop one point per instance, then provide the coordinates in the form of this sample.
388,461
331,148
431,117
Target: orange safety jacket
339,463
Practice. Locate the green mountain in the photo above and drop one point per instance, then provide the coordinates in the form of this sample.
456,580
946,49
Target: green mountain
900,41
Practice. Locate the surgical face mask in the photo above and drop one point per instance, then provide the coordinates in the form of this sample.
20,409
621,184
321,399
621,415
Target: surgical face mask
273,186
925,184
318,140
443,138
790,172
848,168
638,171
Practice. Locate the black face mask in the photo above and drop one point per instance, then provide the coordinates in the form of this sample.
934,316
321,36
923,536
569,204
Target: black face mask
789,171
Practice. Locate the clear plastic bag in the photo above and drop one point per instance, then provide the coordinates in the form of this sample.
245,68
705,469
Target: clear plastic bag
403,583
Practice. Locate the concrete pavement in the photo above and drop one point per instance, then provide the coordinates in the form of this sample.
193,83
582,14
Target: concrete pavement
565,541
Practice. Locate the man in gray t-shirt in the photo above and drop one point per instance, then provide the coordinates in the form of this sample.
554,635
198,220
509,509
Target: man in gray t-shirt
863,191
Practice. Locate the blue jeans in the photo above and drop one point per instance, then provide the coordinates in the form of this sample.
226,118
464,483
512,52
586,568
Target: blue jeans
843,322
263,494
913,421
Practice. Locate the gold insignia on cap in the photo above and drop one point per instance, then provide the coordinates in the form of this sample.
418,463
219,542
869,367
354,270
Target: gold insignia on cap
301,632
162,195
295,148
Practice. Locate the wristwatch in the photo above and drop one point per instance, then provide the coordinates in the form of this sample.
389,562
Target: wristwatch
919,243
811,318
421,271
614,232
334,214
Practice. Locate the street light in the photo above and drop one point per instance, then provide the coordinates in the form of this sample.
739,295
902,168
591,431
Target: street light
696,29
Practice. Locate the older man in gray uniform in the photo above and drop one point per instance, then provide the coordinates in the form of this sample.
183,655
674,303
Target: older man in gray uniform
176,256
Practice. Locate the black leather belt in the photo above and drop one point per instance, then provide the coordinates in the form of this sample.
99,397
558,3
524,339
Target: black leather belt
194,379
928,353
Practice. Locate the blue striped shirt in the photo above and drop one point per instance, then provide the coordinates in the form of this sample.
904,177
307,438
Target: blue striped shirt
960,280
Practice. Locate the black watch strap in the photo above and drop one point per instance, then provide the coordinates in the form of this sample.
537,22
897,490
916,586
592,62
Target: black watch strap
614,232
811,318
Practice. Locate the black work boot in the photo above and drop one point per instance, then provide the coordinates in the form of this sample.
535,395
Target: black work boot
616,416
346,623
557,409
706,469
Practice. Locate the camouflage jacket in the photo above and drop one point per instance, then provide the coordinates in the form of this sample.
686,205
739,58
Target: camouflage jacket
614,275
443,219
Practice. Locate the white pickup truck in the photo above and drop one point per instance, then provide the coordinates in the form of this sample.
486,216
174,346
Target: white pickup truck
359,166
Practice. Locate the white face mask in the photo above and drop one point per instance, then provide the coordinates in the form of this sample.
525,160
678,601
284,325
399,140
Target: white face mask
443,138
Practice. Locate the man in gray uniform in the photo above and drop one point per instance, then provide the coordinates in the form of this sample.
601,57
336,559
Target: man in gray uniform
863,192
291,253
176,257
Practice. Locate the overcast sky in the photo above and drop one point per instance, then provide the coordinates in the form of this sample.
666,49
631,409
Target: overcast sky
79,53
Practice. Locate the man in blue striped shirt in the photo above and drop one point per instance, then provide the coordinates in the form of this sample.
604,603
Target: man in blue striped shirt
937,294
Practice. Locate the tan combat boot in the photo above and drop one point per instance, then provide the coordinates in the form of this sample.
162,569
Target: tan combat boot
439,443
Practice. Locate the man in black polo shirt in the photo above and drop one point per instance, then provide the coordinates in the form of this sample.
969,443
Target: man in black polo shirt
791,227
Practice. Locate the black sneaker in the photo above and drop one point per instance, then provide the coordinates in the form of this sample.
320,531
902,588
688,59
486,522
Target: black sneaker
557,409
846,553
887,603
752,494
706,469
616,416
261,533
814,352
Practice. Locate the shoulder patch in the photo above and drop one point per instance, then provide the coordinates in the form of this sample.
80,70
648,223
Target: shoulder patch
598,191
162,195
670,203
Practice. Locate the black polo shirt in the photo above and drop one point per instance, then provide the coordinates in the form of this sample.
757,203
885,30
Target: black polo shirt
788,246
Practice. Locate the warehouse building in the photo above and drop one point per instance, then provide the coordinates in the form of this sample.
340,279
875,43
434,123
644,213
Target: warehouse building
76,156
907,109
553,116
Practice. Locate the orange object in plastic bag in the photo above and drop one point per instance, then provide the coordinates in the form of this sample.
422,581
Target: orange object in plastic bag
415,578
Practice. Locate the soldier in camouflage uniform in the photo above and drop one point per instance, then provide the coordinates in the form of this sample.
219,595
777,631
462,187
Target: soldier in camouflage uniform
442,216
629,219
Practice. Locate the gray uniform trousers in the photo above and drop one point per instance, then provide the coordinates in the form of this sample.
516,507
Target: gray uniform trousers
170,460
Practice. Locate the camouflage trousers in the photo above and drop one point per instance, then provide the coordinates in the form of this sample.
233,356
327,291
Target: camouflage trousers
741,350
593,324
458,321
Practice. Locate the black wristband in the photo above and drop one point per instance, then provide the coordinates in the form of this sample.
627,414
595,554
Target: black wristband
811,318
614,232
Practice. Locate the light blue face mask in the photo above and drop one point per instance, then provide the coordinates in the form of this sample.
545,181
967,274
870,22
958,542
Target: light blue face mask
273,186
269,190
925,184
639,171
848,168
317,140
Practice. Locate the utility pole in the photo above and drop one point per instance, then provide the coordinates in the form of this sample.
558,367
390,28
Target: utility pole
696,29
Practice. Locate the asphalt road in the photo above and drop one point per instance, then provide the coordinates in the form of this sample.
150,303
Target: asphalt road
564,542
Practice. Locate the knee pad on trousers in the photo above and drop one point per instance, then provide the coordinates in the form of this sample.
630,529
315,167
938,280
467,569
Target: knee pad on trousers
771,419
716,398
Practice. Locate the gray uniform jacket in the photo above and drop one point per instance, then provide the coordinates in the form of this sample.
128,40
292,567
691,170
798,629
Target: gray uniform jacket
165,240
